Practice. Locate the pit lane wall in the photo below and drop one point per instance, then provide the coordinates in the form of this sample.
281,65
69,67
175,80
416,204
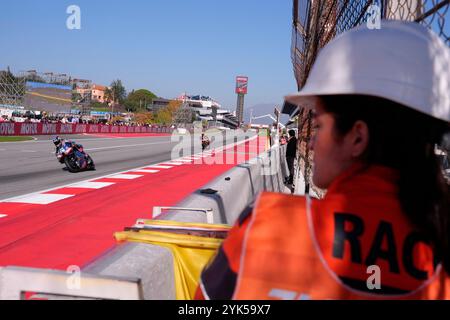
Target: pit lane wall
30,129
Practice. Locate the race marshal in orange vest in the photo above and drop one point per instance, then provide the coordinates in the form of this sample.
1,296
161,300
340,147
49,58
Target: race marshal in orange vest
382,230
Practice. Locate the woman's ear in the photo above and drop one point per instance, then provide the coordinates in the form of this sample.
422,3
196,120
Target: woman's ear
360,138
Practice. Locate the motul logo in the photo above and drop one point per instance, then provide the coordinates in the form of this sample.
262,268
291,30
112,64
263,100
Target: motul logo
105,129
114,129
6,128
66,128
28,128
93,128
48,128
81,128
123,129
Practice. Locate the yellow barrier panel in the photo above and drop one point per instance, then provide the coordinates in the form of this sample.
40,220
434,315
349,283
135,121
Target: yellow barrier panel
186,225
190,253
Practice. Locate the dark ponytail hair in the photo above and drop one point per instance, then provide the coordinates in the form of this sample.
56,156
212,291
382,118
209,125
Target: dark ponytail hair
403,139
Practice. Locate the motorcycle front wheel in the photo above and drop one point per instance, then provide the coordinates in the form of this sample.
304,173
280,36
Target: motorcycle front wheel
71,164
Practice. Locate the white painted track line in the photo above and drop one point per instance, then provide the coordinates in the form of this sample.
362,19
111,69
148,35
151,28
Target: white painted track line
90,185
145,171
172,163
39,198
124,176
159,167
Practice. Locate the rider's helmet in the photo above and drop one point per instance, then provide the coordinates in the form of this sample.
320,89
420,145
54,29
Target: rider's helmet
57,141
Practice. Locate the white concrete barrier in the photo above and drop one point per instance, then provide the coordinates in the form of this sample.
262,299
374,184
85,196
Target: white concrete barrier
152,266
236,189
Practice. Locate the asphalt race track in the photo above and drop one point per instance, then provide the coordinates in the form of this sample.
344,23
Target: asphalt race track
51,218
27,167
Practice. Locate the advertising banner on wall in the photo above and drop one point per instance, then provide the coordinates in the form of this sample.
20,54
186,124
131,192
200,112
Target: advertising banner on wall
30,129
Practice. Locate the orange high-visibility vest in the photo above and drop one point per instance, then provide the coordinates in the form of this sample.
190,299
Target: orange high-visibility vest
297,248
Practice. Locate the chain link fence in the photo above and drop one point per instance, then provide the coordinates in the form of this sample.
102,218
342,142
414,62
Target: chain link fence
316,22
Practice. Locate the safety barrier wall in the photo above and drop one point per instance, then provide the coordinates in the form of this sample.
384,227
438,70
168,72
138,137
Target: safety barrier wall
28,129
236,189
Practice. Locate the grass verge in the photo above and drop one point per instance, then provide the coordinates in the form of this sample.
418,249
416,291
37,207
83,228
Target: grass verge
14,139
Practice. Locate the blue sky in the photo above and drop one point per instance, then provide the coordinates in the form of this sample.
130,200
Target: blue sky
166,46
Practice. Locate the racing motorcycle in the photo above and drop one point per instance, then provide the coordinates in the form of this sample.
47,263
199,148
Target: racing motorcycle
205,142
73,156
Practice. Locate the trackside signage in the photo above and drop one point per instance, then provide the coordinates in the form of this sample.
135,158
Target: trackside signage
6,129
27,129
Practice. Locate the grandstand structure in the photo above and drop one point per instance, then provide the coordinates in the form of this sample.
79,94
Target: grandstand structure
12,90
316,22
45,91
35,91
47,77
206,109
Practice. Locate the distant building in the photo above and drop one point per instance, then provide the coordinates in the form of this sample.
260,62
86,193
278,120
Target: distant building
93,92
207,109
98,93
157,104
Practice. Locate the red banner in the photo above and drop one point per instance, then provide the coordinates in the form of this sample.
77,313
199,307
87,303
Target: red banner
241,85
32,129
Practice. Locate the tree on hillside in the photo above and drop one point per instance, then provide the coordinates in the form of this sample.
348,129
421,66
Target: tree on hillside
116,93
98,106
166,115
144,118
130,106
173,106
76,97
108,95
139,100
142,96
163,116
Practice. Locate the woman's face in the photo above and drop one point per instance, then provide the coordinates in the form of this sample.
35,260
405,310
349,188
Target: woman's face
332,154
